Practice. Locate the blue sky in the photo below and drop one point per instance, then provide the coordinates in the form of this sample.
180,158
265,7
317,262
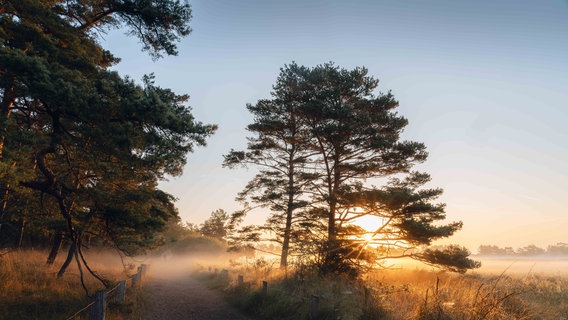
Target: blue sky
484,85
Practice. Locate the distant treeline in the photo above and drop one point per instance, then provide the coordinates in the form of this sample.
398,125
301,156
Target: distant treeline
530,250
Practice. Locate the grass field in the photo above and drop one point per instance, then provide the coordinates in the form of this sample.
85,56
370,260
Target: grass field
30,290
411,293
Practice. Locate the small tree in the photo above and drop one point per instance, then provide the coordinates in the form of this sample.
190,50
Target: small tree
217,225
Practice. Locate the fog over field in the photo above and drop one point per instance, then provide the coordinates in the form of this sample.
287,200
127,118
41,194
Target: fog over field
545,265
494,265
171,264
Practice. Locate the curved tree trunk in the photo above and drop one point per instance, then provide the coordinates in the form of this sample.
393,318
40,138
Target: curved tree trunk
70,254
57,240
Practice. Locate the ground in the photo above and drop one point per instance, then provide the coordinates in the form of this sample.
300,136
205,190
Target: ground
180,297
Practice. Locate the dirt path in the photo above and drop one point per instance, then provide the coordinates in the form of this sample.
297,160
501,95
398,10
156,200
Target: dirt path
180,297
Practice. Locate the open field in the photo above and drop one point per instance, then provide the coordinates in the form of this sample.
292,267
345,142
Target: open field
500,290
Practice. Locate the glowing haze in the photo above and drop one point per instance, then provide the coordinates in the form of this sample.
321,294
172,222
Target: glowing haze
483,84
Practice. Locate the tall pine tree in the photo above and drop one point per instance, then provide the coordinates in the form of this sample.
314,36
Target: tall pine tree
277,148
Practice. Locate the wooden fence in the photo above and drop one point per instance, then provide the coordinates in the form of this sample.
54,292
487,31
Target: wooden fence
97,308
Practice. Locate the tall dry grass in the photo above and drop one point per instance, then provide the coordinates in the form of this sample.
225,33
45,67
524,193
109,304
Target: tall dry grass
31,290
423,294
396,294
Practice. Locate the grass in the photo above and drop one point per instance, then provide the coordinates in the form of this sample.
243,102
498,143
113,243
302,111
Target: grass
30,290
394,294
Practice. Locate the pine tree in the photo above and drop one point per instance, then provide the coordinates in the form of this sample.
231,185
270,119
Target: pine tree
277,148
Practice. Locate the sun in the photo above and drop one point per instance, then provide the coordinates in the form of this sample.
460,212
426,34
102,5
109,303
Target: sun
369,223
367,237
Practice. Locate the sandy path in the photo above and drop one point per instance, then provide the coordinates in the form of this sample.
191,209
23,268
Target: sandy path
180,297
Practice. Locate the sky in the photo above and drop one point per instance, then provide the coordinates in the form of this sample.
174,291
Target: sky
484,84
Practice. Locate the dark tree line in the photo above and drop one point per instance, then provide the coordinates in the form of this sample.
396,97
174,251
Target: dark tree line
318,144
81,148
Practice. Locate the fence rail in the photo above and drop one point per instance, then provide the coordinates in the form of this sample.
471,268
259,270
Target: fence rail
97,308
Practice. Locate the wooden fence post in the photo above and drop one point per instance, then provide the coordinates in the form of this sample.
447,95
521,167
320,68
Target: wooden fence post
240,280
367,294
121,292
135,280
140,271
224,273
143,269
314,306
264,287
98,310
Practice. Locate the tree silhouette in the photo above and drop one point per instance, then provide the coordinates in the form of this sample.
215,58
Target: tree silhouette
325,134
217,225
278,149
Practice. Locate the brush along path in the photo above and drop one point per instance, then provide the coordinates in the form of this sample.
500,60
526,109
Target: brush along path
179,297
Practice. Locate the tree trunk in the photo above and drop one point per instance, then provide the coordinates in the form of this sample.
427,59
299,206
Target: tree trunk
3,200
331,230
22,226
70,254
57,240
287,232
289,212
331,254
5,111
72,235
